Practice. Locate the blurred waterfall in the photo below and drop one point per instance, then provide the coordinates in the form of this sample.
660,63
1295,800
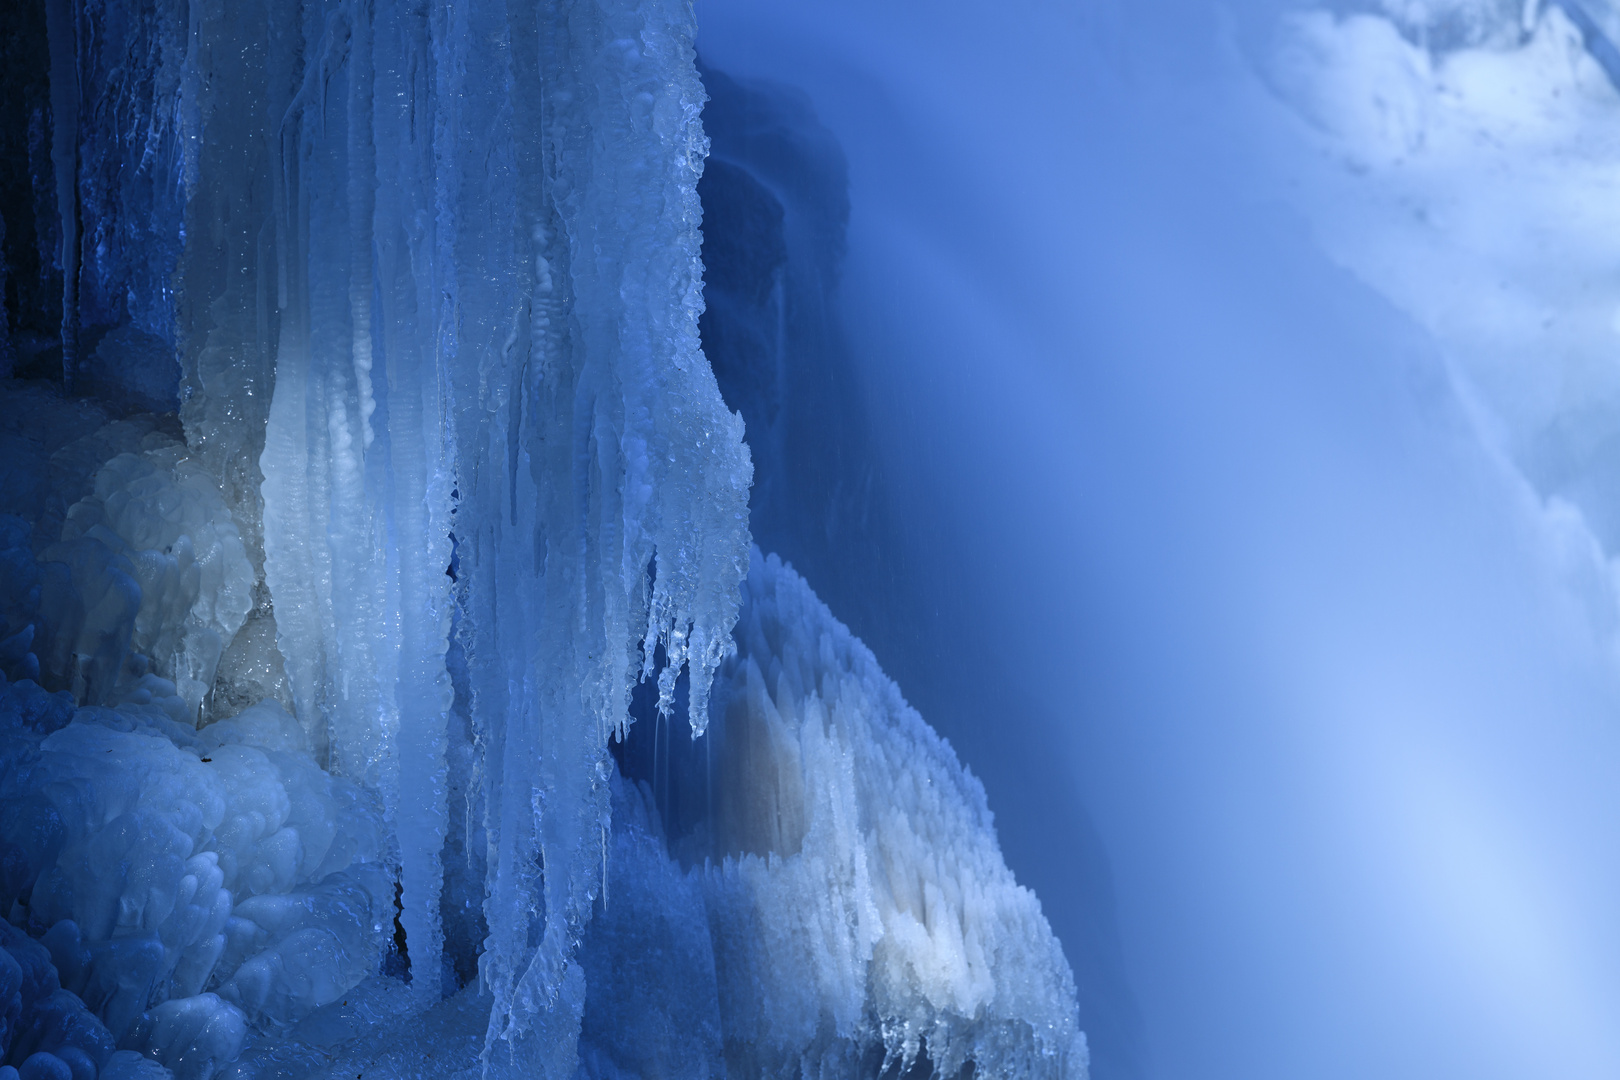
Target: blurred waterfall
1293,697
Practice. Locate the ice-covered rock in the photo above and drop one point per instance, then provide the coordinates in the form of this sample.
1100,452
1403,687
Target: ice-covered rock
858,913
827,785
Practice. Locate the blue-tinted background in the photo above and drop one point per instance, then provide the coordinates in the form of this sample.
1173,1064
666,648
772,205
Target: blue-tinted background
1291,682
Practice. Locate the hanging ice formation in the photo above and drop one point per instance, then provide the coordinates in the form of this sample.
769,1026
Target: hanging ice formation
491,295
322,776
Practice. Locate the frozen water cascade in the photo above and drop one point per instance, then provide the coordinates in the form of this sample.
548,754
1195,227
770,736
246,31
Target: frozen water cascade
392,512
550,375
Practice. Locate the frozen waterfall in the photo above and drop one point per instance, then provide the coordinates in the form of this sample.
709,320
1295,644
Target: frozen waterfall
368,508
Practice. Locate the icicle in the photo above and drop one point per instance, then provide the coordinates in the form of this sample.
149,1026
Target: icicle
62,27
419,477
